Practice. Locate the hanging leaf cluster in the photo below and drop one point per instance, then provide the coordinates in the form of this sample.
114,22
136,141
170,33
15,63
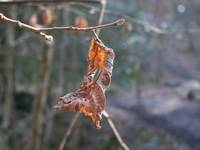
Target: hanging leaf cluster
90,98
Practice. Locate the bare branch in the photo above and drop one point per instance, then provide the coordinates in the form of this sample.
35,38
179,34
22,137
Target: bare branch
69,131
86,29
101,15
41,31
97,32
114,129
38,2
24,26
127,17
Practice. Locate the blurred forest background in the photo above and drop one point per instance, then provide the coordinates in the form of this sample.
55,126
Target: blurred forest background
154,98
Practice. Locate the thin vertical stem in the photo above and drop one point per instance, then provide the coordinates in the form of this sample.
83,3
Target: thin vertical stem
69,131
114,129
8,71
101,14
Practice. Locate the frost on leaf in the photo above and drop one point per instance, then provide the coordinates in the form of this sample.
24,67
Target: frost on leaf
89,99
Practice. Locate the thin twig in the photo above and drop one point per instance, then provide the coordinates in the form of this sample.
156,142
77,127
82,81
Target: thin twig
97,32
68,28
114,129
14,2
127,17
105,114
86,29
24,26
69,131
101,14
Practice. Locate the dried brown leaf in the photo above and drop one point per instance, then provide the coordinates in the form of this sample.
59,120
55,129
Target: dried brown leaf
89,99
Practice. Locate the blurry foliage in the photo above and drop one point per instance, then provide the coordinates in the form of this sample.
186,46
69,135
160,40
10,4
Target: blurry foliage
110,144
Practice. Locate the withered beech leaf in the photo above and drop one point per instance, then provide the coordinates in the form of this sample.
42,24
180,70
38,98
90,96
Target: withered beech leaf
99,56
89,99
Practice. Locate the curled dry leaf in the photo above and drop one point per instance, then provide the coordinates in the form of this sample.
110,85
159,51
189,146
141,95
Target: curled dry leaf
47,16
101,57
89,99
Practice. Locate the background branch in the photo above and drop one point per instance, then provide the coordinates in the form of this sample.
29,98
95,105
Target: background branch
86,29
41,96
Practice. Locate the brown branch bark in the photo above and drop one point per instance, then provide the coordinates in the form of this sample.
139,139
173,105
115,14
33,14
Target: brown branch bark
41,31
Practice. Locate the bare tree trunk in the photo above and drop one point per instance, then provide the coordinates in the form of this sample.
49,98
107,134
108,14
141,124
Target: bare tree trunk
41,97
60,86
51,112
2,142
8,72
